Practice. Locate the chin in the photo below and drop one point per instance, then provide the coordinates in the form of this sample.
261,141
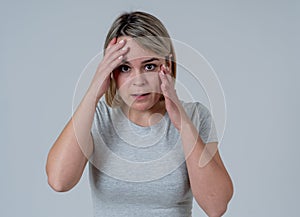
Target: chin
141,106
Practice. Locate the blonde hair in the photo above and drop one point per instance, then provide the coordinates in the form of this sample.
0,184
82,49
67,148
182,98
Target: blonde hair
146,30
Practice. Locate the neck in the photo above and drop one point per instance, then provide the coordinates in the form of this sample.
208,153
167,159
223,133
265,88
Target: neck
147,117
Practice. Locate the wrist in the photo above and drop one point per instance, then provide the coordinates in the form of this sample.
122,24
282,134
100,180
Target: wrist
186,124
93,94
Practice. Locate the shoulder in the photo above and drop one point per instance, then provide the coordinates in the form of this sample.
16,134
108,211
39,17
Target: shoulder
203,120
102,117
102,104
103,111
102,107
195,108
198,113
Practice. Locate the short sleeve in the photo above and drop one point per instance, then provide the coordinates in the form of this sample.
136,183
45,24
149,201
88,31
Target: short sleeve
101,118
206,126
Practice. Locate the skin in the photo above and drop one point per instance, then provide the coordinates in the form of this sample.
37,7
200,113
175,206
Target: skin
69,154
210,183
139,73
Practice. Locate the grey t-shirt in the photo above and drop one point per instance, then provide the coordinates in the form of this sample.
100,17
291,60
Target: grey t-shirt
141,171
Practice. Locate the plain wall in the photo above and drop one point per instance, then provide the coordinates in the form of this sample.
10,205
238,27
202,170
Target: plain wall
252,46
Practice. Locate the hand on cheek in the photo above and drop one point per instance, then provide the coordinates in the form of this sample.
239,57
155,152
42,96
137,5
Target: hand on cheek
172,102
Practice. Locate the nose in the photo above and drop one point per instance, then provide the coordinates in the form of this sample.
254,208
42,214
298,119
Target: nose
139,79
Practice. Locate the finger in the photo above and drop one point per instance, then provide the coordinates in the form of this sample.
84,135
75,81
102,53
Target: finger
164,83
166,69
111,61
170,79
117,54
168,74
115,63
162,72
116,46
162,68
112,42
162,77
166,79
110,58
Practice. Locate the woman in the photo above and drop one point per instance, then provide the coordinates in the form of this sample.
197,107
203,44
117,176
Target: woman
140,120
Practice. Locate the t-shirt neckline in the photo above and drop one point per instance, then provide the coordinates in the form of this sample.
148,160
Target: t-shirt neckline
157,125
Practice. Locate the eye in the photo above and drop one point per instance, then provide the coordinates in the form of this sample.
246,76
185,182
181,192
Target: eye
150,67
124,68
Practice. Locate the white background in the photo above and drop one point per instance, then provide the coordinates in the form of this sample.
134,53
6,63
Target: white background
252,45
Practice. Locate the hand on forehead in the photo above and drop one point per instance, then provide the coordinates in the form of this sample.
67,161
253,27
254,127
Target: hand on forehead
136,52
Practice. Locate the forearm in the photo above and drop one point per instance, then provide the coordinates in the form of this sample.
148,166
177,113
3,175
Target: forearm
68,156
70,152
210,184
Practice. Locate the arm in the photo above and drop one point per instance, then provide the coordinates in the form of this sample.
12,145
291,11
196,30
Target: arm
69,154
210,183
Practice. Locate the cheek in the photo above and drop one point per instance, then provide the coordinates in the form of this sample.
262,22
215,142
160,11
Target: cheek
122,85
120,80
154,82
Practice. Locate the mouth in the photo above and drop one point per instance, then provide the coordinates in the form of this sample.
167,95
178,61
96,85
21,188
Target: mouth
140,96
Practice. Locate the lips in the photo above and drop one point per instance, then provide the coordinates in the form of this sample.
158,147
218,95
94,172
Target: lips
140,94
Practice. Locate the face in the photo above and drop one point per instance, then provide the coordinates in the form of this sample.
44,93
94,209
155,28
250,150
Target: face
137,78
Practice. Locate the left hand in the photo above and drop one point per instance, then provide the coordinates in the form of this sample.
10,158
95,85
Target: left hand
173,105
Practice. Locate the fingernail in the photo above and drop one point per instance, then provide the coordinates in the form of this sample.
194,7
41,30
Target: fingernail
124,48
122,41
120,57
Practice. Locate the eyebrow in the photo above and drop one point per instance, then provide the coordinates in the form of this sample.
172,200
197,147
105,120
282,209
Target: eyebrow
150,60
145,61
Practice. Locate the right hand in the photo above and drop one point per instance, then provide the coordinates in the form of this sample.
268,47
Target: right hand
114,55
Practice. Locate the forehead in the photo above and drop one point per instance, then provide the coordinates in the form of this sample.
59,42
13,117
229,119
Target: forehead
137,52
